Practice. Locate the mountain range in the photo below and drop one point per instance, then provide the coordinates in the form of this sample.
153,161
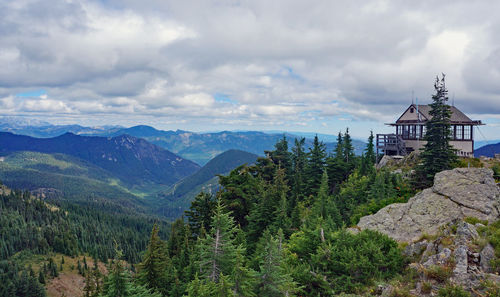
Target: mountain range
179,196
488,150
197,147
133,160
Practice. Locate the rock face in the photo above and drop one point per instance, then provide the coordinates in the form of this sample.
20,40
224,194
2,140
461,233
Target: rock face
455,253
456,194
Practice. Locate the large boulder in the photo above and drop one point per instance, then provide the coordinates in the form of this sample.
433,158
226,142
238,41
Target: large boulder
456,194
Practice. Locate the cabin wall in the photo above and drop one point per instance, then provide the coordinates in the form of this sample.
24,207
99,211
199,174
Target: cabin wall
465,148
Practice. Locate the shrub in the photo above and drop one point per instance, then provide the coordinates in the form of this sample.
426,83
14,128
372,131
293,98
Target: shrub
453,291
426,287
350,261
439,273
474,220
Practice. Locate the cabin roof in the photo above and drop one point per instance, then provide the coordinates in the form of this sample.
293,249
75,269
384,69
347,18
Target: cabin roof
456,115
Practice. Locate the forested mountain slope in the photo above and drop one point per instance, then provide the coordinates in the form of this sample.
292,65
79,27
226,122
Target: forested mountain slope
178,198
132,160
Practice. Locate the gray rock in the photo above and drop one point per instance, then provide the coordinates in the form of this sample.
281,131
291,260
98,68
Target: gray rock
460,260
456,194
415,249
466,232
438,259
474,189
486,255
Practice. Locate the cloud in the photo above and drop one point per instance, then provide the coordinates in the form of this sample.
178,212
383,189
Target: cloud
165,61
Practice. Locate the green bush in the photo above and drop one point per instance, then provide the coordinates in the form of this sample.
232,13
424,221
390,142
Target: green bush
439,273
351,261
473,221
453,291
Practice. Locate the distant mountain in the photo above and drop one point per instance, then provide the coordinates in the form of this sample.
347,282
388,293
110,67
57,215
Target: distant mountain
488,150
198,147
180,195
133,160
480,143
202,147
36,128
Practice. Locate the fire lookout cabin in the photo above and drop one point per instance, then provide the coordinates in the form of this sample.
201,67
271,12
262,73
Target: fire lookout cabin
410,131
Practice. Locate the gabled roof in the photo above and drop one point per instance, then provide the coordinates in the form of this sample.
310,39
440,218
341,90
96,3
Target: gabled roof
456,115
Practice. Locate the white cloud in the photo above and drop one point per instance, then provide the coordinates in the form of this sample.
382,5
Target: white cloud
276,66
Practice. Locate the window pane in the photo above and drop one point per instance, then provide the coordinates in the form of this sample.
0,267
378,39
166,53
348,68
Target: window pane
459,132
467,132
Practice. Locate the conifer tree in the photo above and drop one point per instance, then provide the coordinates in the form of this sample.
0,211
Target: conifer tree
438,154
336,166
243,278
348,149
273,279
282,157
315,166
325,212
41,277
299,161
218,250
153,266
370,150
200,212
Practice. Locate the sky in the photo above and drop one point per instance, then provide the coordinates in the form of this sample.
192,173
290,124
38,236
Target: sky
312,66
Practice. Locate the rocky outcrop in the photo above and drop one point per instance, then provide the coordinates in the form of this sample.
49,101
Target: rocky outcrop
453,256
456,194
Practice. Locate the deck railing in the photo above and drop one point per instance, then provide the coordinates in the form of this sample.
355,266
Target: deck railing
391,144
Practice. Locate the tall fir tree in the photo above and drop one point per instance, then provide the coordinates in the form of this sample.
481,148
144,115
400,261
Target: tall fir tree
218,251
438,154
200,212
153,267
274,281
315,166
336,165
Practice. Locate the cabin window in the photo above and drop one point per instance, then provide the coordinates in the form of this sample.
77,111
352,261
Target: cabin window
424,129
459,132
412,131
405,131
467,132
411,110
420,132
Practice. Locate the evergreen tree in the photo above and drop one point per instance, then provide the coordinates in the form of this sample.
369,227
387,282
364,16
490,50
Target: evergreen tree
370,150
274,280
153,266
41,277
299,161
200,212
118,282
348,149
325,212
315,166
263,215
281,157
243,277
218,251
336,166
238,193
438,154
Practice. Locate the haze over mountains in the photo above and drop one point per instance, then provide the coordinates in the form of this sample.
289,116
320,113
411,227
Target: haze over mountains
197,147
140,167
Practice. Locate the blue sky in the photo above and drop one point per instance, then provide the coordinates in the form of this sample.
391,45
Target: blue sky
239,65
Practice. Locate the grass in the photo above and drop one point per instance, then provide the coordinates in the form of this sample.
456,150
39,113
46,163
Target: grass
438,272
474,221
453,291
